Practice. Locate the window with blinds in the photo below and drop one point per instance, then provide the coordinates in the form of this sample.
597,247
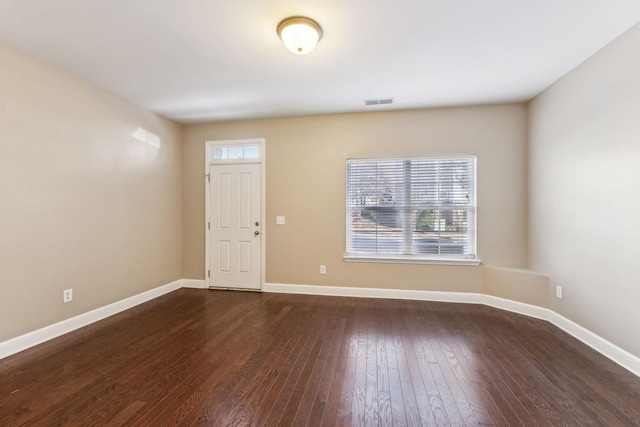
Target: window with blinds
413,208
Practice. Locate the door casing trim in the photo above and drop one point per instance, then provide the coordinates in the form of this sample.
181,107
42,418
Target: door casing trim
209,161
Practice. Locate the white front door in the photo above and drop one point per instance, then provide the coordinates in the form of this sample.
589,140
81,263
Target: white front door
235,231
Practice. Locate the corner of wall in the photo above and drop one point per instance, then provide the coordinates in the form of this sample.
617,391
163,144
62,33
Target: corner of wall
516,284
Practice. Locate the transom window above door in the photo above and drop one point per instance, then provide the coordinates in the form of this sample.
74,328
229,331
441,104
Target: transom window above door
234,152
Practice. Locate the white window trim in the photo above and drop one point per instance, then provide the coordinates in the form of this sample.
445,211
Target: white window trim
408,259
464,260
257,142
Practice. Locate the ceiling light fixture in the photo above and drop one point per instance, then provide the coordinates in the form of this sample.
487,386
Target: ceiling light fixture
299,34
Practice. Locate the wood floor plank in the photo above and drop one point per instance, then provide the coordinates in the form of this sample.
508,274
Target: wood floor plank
469,390
199,357
307,385
319,402
339,398
417,402
441,404
124,414
498,363
398,415
284,405
359,396
383,383
371,403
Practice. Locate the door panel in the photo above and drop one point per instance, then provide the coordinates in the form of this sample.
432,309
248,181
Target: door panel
235,232
245,257
224,257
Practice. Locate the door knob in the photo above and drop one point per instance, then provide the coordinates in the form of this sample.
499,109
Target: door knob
256,232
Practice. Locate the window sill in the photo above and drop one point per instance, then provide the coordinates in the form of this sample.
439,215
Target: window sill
411,260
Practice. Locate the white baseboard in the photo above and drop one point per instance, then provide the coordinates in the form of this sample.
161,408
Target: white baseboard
338,291
194,283
604,347
31,339
516,307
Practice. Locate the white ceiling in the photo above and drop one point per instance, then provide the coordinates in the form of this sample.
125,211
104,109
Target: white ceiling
206,60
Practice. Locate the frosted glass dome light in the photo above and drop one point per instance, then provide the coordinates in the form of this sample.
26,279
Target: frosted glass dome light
299,34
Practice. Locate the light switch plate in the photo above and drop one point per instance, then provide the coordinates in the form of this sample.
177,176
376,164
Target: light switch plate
280,220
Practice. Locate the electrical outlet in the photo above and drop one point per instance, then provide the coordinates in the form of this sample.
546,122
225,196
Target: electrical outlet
67,295
280,220
558,291
323,269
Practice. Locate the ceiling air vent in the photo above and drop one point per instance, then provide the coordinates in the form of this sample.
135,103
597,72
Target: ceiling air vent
382,101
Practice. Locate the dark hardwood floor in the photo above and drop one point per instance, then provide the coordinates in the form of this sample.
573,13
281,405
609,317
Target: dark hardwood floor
216,358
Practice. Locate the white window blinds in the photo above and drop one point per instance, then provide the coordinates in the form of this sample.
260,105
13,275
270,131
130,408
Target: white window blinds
415,208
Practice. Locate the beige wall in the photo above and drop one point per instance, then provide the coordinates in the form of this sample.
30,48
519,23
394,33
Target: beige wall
83,205
585,191
521,285
305,182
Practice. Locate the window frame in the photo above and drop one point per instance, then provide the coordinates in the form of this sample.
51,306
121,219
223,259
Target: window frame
415,258
257,145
